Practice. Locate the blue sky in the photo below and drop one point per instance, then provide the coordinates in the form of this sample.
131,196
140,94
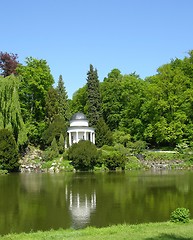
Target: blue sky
131,35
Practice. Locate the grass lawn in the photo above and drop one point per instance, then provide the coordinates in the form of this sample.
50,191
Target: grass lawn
151,231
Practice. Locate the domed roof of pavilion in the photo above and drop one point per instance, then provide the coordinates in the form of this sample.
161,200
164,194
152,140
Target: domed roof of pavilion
79,116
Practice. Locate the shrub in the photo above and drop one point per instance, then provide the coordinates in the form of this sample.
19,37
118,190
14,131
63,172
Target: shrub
182,147
133,164
161,156
113,160
84,155
51,152
54,148
180,215
61,144
8,151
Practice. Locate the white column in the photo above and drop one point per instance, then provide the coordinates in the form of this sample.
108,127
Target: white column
91,136
85,135
70,139
76,137
93,141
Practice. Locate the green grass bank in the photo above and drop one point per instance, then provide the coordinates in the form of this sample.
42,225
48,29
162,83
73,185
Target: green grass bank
150,231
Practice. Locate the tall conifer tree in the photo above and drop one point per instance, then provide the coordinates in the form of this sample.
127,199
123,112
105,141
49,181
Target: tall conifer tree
94,98
51,105
63,105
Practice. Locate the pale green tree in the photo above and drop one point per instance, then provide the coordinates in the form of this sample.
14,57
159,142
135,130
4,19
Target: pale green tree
10,112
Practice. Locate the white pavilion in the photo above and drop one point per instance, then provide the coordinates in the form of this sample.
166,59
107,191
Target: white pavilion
79,129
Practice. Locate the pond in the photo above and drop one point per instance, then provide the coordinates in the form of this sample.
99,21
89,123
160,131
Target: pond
76,200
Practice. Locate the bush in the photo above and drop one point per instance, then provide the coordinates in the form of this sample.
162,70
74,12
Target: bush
8,152
113,160
52,152
180,215
61,141
133,164
161,156
84,155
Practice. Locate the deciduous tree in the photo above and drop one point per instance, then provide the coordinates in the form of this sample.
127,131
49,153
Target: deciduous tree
8,63
10,112
36,80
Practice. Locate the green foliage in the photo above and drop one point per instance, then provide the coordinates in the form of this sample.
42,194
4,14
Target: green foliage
36,80
84,155
113,159
121,137
167,109
111,90
8,151
35,131
54,148
10,112
133,164
61,144
121,102
157,110
137,147
2,172
54,130
161,156
79,101
103,133
182,148
51,104
180,215
94,97
63,104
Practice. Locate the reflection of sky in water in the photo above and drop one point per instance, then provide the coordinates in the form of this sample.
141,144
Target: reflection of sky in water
81,207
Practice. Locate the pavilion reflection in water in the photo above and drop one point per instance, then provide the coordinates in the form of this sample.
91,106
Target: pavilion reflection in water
81,207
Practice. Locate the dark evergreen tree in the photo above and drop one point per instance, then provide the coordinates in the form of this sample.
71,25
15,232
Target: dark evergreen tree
8,151
54,148
52,105
103,134
94,97
61,144
57,127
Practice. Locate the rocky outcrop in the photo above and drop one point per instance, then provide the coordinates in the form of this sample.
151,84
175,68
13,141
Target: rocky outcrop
32,161
175,164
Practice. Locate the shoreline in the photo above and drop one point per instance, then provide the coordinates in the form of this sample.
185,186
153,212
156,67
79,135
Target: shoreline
144,231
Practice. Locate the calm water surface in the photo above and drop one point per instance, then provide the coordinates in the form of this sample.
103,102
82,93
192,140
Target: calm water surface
76,200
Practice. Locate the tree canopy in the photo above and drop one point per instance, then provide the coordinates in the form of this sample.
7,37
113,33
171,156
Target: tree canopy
36,80
8,63
10,112
157,110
